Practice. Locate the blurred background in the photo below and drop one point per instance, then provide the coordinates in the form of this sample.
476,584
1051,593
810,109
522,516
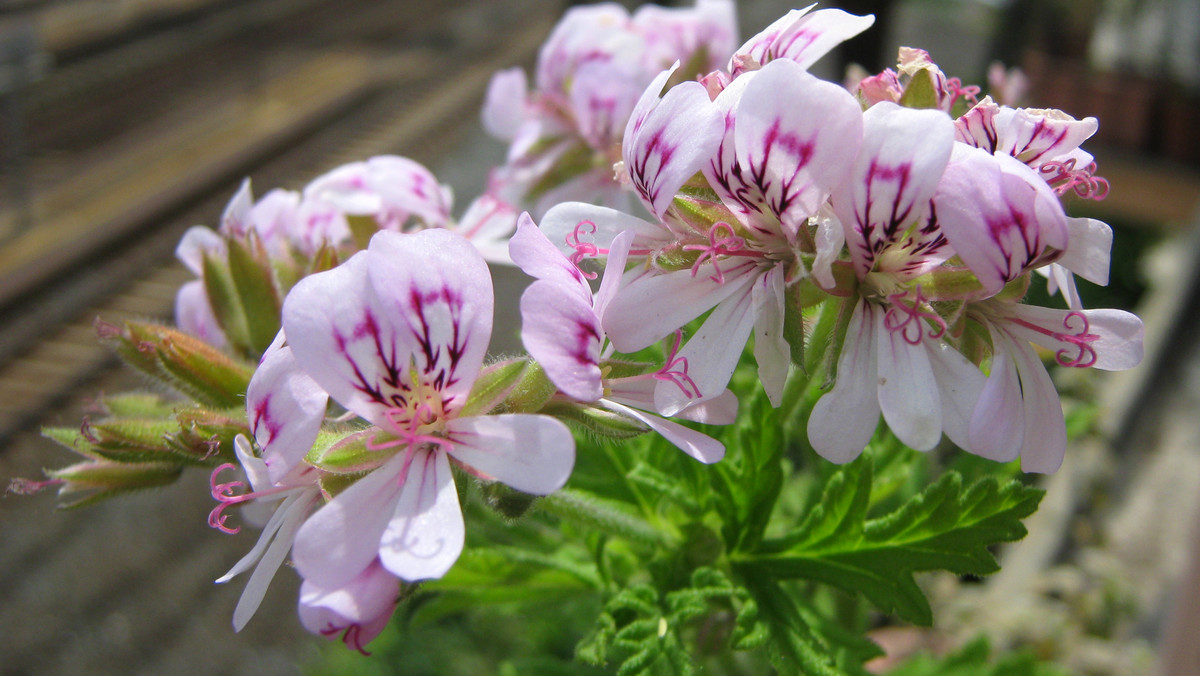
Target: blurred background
123,122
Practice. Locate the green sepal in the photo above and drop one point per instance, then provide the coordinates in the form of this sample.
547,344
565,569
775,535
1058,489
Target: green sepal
225,301
493,386
71,438
835,338
107,479
948,283
578,160
599,421
350,454
920,92
505,500
699,206
135,441
209,433
188,364
362,229
259,297
138,405
793,322
530,393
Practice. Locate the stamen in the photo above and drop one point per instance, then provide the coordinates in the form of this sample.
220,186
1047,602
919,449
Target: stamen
907,319
224,494
957,90
1077,337
677,376
29,486
1063,176
583,249
728,245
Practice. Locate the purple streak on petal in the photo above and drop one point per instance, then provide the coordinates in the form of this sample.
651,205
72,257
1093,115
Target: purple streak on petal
285,408
562,332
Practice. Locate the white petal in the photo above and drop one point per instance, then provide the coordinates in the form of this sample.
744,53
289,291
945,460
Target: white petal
652,306
504,106
1045,429
1088,249
843,420
342,538
295,508
194,314
908,393
563,334
959,386
696,444
800,37
285,408
425,534
771,350
713,352
998,422
533,252
531,453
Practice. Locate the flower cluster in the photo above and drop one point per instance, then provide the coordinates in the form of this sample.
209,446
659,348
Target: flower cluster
880,236
565,134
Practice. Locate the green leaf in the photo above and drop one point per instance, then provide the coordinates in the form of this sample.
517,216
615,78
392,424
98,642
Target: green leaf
943,528
973,660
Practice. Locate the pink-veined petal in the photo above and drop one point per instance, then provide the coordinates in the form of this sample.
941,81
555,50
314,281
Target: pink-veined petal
903,155
799,37
347,188
339,330
425,534
532,453
795,139
652,306
489,222
1105,339
668,140
771,349
407,189
562,333
361,607
908,393
999,216
1037,136
343,537
437,290
504,106
696,444
843,420
712,353
602,97
285,407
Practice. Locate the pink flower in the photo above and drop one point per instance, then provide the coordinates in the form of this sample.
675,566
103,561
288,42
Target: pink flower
356,611
560,326
397,335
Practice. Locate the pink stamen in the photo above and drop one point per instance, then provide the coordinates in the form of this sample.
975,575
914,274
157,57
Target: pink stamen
29,486
957,90
224,494
1063,176
677,376
1078,338
584,249
907,319
721,242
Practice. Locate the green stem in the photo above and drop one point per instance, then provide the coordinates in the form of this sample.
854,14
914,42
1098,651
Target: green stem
593,512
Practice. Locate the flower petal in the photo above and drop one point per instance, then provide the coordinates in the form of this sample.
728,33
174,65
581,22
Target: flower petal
562,333
532,453
771,349
437,291
285,407
908,393
504,106
799,37
998,423
843,420
667,140
696,444
575,223
294,509
1045,429
652,306
1089,247
342,538
194,314
534,253
712,353
959,386
903,155
425,534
